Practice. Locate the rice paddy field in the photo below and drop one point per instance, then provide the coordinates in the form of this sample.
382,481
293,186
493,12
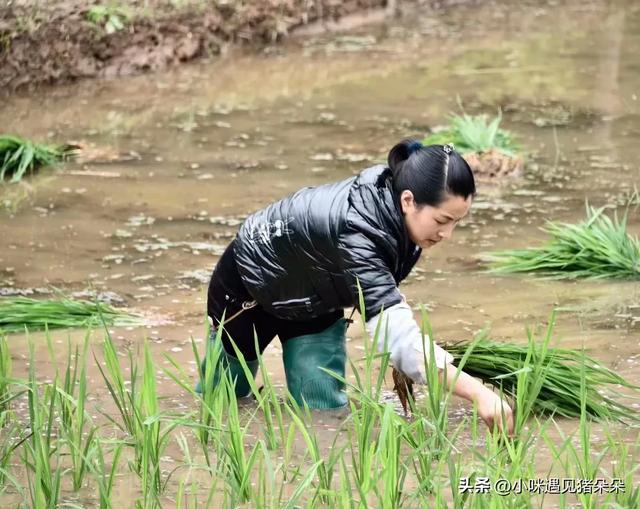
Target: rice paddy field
106,416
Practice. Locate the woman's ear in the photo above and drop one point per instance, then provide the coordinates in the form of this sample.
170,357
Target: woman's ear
406,201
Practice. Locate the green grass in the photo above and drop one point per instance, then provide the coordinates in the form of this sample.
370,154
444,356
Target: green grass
112,17
598,247
20,313
477,133
556,371
5,380
380,458
20,157
77,429
41,454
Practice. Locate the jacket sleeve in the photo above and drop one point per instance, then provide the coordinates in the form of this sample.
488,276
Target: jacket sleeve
404,342
362,262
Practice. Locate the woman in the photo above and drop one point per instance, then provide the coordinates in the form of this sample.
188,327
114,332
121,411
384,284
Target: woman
295,265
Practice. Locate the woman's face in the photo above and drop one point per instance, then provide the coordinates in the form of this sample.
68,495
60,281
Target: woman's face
429,225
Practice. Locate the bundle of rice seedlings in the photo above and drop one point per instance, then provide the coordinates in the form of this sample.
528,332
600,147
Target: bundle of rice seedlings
18,313
599,247
557,371
19,156
490,151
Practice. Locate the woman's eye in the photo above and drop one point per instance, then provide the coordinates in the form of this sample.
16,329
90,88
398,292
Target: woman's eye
441,222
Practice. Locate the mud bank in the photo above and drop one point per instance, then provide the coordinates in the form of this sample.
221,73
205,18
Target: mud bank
70,40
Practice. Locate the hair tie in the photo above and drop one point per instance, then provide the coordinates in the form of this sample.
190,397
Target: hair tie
448,148
414,146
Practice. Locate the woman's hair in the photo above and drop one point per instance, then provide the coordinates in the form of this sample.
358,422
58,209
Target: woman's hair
430,172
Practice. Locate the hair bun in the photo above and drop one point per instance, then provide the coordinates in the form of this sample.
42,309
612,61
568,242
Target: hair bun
414,146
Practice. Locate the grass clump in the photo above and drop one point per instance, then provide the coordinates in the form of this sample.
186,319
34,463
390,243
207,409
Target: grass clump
475,133
18,313
19,156
112,17
598,247
556,373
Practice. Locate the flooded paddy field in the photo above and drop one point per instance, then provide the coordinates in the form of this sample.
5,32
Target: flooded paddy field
176,161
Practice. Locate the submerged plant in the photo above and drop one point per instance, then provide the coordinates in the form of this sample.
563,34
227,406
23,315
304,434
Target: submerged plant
18,313
19,156
599,247
475,134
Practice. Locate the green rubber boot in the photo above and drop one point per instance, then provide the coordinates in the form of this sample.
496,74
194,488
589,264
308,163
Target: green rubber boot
236,373
302,357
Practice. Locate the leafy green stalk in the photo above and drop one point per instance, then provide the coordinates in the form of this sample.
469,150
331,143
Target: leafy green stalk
18,313
597,248
475,134
19,156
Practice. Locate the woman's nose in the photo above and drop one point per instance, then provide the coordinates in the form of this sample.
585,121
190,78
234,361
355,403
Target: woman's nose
446,233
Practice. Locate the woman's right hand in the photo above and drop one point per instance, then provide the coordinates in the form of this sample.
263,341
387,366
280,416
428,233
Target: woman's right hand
494,411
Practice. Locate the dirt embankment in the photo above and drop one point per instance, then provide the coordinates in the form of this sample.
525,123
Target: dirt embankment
71,39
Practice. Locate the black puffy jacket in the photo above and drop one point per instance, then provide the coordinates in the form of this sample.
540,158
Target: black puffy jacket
302,256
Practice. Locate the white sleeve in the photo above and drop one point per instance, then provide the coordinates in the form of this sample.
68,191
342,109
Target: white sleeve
404,342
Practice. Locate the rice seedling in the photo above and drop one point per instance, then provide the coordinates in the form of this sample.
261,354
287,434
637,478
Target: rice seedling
586,464
265,396
20,313
386,460
11,438
19,156
104,477
598,247
368,387
187,497
625,469
209,417
362,443
236,464
476,133
5,381
388,455
437,395
126,399
305,482
154,438
140,417
271,408
39,449
326,465
74,418
212,401
552,383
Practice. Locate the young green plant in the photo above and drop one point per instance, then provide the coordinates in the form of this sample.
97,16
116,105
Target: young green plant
598,247
19,156
20,313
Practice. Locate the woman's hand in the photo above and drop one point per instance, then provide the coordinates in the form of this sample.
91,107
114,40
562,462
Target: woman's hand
491,407
495,411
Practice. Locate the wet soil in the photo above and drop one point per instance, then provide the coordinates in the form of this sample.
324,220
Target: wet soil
494,165
63,40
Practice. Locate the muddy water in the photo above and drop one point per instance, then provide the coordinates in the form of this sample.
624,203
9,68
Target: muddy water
180,158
